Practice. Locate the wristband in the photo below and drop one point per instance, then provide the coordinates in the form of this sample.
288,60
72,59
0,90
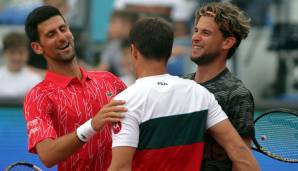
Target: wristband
85,131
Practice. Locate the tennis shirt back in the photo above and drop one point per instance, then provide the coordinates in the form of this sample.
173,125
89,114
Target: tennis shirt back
166,120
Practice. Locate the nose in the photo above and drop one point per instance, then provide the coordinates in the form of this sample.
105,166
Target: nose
61,36
196,37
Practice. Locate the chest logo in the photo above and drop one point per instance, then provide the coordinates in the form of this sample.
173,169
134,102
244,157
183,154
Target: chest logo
109,94
162,83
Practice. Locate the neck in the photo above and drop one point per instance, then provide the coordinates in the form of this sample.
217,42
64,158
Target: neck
150,68
71,69
207,72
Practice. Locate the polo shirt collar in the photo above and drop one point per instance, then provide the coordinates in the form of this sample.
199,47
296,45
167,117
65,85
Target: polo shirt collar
62,80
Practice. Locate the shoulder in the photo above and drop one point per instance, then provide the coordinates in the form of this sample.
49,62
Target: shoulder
38,93
229,83
135,97
237,93
104,75
238,88
108,79
191,87
40,88
133,92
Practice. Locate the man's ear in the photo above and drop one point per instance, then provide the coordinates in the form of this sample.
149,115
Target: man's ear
229,42
37,48
134,51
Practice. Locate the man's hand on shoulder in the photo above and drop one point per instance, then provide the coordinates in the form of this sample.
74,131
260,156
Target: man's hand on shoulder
111,112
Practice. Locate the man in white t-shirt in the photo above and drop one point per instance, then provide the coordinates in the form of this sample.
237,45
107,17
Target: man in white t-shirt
167,116
16,78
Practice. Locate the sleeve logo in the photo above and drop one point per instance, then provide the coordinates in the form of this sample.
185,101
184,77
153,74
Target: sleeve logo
117,127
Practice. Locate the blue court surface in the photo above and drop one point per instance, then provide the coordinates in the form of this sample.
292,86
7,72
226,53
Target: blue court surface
13,143
13,139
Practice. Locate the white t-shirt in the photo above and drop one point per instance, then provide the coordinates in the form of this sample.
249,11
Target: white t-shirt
17,84
161,96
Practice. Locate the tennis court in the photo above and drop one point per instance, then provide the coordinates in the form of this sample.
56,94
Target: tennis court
13,142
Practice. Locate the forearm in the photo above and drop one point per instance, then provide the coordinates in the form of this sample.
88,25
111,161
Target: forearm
53,151
247,141
122,158
234,146
242,158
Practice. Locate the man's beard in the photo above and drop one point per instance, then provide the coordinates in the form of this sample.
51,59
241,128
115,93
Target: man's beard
204,59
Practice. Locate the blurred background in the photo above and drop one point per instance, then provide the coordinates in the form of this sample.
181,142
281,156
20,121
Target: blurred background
267,61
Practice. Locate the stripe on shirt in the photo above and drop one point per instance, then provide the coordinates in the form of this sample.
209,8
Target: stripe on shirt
173,130
171,143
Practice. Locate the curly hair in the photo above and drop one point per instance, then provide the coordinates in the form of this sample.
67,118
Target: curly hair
231,21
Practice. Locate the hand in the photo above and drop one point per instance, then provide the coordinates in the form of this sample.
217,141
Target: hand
111,112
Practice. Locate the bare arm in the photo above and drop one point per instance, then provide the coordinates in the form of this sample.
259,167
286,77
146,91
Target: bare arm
247,141
52,151
122,158
238,151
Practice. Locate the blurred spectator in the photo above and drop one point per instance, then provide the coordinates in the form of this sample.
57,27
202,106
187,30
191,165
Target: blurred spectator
66,7
257,10
120,23
179,62
126,63
179,13
178,10
16,78
62,5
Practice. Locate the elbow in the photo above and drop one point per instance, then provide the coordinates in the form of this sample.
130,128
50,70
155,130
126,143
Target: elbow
46,161
48,164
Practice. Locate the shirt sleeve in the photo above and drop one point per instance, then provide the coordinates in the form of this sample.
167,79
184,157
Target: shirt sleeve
241,107
128,134
37,109
215,112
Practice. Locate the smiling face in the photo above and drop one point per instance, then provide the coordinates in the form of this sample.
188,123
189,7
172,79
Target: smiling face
55,40
207,41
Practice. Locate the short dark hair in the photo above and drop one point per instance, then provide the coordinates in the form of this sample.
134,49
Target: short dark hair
14,40
37,16
153,37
